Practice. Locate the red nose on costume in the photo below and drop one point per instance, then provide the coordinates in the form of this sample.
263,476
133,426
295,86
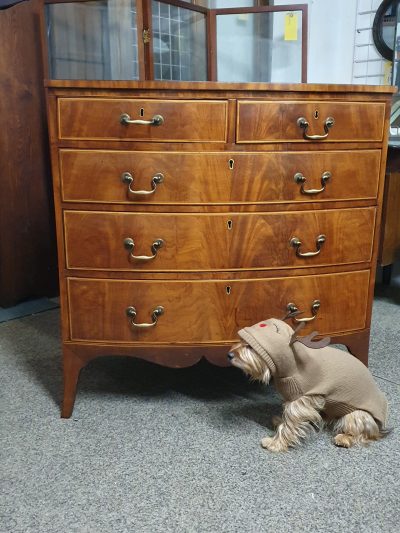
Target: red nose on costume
263,325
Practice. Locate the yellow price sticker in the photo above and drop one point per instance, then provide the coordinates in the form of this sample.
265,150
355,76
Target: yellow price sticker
290,33
387,72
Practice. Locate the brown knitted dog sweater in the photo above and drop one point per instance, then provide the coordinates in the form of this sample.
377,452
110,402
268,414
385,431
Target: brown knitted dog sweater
345,383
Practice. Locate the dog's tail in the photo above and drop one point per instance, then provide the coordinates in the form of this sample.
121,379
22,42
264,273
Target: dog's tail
358,427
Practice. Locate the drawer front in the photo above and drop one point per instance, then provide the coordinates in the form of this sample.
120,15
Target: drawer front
183,120
95,240
229,177
205,311
260,121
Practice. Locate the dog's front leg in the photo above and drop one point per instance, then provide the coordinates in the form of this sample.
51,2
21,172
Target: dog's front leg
299,418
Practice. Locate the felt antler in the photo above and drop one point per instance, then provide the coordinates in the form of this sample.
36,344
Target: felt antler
308,339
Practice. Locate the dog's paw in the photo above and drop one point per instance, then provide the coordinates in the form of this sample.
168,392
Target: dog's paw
273,445
343,441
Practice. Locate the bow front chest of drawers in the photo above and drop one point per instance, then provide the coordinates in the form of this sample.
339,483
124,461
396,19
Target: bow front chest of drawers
186,211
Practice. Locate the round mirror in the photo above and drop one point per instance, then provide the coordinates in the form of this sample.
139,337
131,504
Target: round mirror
384,28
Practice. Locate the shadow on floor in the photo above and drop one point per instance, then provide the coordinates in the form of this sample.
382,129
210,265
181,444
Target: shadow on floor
390,293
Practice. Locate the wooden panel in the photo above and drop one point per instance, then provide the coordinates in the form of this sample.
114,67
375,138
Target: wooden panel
203,311
351,91
260,121
390,244
214,242
99,118
27,243
201,178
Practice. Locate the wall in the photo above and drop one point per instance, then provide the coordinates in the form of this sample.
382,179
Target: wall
369,66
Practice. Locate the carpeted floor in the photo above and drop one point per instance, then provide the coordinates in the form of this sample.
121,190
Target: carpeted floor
153,450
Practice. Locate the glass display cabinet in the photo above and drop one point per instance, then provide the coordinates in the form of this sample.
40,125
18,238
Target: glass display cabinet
190,201
242,41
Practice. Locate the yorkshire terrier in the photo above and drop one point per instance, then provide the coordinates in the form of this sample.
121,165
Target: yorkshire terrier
321,385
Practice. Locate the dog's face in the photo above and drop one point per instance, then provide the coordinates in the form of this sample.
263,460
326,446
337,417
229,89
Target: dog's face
244,357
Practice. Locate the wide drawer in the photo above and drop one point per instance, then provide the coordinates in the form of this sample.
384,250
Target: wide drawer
111,241
210,311
229,177
183,120
261,121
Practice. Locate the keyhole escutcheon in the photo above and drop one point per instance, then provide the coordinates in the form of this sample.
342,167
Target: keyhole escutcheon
229,224
316,114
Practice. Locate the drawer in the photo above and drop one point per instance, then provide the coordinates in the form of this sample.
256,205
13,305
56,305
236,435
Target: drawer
183,120
95,240
210,311
224,177
261,121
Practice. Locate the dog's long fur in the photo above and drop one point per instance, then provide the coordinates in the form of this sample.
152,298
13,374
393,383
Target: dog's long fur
303,415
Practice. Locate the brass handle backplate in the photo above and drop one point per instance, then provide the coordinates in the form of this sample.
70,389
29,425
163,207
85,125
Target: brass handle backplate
125,120
299,178
127,178
129,244
303,124
292,308
157,312
296,243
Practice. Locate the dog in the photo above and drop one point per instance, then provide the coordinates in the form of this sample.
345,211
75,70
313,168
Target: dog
321,385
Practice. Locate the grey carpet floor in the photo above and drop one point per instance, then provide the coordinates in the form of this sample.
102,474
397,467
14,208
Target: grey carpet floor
151,449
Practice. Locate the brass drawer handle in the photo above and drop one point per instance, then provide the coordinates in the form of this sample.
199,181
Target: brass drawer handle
296,243
131,313
127,177
157,120
292,308
299,178
129,244
303,124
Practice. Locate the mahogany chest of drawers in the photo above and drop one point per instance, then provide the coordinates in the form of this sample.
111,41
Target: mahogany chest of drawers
186,211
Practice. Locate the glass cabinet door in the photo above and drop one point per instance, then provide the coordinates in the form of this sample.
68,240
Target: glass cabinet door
93,40
260,46
179,42
218,40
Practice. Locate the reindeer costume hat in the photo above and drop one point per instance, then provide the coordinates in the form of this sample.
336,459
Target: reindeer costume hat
300,367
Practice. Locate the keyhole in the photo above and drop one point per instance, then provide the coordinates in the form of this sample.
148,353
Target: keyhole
141,112
231,163
316,114
228,289
229,224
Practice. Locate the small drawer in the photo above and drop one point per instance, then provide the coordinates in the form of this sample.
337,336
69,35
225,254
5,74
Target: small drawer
264,122
226,178
232,241
210,311
181,120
